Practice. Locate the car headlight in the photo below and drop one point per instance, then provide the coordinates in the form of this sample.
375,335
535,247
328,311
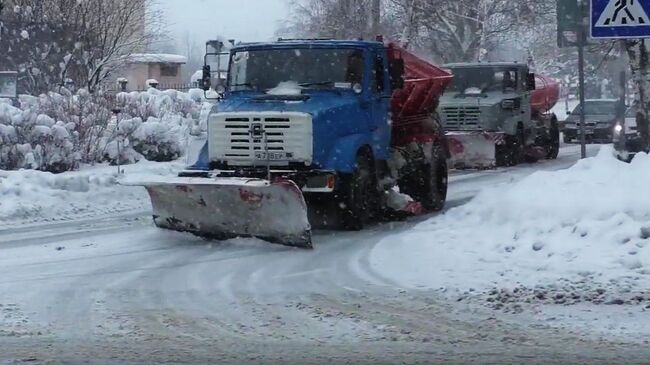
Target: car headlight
618,128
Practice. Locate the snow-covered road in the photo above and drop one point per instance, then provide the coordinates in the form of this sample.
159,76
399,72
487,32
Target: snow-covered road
114,289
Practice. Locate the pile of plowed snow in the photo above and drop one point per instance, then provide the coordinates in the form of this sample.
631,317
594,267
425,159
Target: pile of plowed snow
29,196
583,229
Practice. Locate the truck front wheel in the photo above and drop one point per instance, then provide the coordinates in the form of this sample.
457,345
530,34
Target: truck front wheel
358,195
511,153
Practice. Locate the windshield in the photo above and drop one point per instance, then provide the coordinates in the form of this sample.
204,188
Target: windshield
262,70
482,79
598,108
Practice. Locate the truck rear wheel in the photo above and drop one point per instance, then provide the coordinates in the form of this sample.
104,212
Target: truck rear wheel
554,143
358,195
426,181
432,192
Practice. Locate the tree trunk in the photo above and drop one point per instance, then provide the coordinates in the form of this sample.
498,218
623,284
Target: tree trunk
640,66
409,24
376,18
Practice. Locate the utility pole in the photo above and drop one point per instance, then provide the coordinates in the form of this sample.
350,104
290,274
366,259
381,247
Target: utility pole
376,18
581,76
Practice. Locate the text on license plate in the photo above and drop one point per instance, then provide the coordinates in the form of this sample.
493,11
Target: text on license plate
271,156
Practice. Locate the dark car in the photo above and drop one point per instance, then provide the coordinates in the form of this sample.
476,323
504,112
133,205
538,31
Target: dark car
600,118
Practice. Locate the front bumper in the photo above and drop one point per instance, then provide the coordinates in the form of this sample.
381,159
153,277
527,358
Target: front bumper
309,181
594,134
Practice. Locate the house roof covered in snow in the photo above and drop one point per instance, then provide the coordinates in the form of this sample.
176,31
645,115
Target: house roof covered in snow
156,58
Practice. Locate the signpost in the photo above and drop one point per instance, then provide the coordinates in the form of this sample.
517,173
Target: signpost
572,18
620,19
568,22
608,19
582,39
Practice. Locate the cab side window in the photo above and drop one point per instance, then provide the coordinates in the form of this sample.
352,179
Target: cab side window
355,68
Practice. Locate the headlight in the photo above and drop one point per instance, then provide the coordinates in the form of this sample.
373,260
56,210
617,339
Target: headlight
618,128
508,104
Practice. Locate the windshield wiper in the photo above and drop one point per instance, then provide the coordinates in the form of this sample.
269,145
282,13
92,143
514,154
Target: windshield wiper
320,83
247,84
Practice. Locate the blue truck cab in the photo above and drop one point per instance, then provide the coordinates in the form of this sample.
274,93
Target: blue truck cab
303,106
302,137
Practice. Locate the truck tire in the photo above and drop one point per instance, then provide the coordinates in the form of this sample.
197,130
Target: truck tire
358,197
432,192
554,142
511,153
426,181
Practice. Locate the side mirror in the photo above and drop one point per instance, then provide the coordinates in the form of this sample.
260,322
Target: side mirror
396,69
530,82
568,112
206,79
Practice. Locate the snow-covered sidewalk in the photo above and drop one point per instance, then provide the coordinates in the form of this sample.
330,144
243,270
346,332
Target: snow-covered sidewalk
32,197
568,236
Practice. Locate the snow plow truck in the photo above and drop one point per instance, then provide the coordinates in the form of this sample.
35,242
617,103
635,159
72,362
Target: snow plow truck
304,124
497,114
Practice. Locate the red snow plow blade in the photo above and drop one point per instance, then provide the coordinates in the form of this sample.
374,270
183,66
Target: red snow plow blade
473,149
224,208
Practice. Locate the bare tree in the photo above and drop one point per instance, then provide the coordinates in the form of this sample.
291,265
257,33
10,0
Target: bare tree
109,31
341,19
639,56
463,30
51,41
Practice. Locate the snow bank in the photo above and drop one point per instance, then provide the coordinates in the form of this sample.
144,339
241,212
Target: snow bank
587,224
29,196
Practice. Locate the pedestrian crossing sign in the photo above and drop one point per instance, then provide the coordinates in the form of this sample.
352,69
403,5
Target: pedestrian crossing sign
620,18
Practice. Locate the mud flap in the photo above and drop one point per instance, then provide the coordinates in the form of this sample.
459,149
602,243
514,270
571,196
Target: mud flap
473,150
230,207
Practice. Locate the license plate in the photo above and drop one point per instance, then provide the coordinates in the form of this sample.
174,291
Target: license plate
271,156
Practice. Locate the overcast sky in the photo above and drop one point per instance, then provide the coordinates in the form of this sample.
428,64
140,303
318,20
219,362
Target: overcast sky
243,20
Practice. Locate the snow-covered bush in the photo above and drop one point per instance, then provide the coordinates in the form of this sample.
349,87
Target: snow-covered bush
166,118
57,131
30,139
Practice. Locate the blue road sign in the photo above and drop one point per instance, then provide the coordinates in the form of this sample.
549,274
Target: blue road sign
620,19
